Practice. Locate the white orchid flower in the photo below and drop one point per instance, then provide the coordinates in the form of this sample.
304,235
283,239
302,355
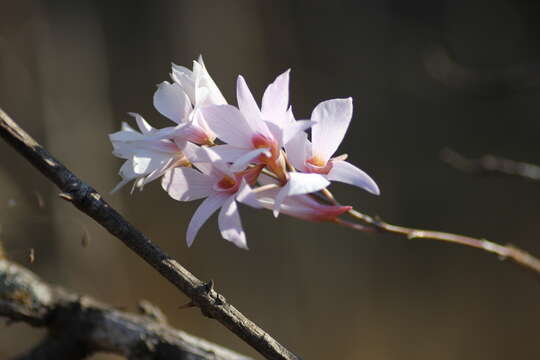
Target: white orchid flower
331,119
148,155
220,186
182,100
299,206
198,84
248,128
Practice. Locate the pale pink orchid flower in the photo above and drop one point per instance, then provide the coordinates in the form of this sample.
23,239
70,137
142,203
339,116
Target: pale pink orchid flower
148,154
182,100
249,128
198,84
299,206
220,186
330,119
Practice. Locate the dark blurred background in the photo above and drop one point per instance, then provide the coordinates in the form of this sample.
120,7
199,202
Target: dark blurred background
423,75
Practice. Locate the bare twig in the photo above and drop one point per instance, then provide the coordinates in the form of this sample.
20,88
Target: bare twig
516,255
489,164
89,201
79,326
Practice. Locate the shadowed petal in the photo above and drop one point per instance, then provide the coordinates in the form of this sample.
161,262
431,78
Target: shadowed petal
209,162
230,224
184,77
127,174
172,102
299,183
242,162
230,153
298,150
229,125
291,130
332,118
246,196
203,212
186,184
346,172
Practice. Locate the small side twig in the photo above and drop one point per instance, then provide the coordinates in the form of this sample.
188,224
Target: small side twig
510,252
490,164
80,326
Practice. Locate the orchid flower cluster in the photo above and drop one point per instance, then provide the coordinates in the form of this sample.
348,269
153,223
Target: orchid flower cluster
263,159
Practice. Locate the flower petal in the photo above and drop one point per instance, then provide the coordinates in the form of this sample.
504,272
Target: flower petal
276,100
346,172
185,78
245,195
230,224
302,206
290,131
249,108
127,174
332,118
186,184
242,162
145,161
172,102
298,150
229,125
144,127
210,163
125,135
230,153
299,183
201,215
204,80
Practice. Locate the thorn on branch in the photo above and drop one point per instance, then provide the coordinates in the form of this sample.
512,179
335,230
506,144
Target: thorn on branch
66,196
187,305
32,256
208,286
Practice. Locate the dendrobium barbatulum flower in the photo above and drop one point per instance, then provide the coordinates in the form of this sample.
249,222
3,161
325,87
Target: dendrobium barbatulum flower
219,185
148,153
263,157
247,128
300,206
182,100
331,119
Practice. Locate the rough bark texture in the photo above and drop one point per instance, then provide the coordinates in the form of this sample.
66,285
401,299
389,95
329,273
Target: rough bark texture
80,326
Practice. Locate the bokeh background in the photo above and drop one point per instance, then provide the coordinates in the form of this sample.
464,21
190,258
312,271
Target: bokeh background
423,75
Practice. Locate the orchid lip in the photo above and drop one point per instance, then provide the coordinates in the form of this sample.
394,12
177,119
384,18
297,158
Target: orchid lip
318,166
232,185
260,141
227,184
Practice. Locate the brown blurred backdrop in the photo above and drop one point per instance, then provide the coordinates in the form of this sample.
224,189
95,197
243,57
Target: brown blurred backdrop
423,75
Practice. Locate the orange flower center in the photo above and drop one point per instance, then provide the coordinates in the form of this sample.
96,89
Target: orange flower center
317,161
226,183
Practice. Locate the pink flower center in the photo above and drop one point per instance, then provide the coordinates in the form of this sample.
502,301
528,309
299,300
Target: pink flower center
260,141
318,165
226,183
231,185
